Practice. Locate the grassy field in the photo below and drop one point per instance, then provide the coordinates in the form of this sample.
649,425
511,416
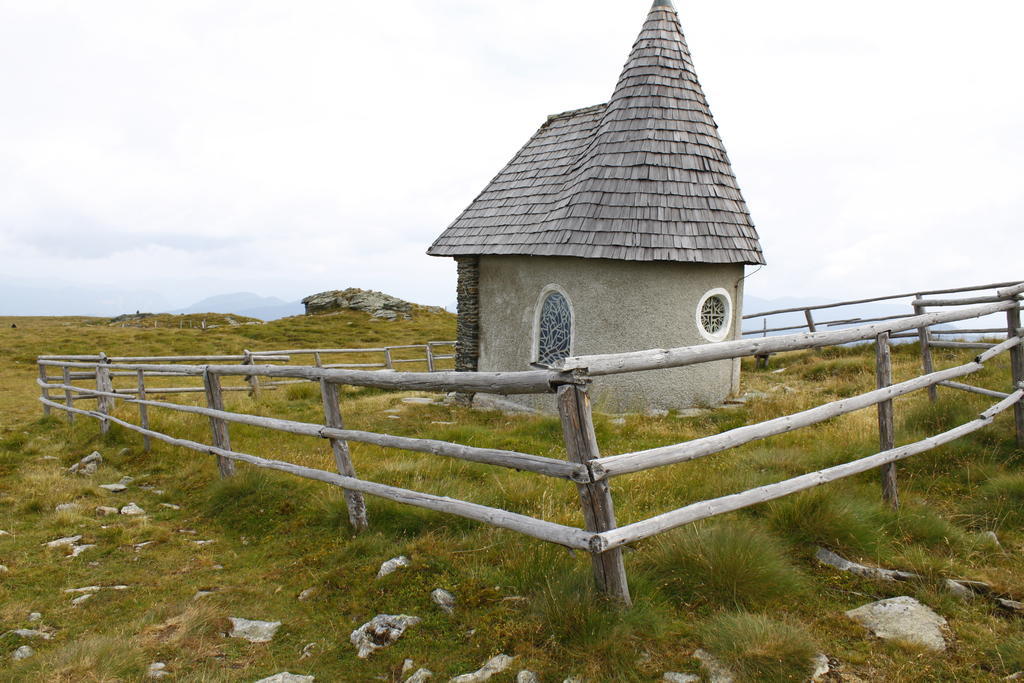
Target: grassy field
745,586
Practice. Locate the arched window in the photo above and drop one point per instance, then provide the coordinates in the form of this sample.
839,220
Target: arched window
554,328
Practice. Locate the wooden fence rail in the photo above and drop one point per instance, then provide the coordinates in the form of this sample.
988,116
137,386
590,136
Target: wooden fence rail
585,467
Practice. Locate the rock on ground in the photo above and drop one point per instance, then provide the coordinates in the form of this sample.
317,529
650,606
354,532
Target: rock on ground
421,676
379,632
377,304
114,488
717,672
526,676
285,677
902,618
132,509
443,599
157,670
106,511
307,594
4,569
495,665
66,506
673,677
61,542
253,630
392,565
23,652
87,465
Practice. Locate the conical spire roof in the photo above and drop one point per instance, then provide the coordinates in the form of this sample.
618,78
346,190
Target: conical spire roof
644,177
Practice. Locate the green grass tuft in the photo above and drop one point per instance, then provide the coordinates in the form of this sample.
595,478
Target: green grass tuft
758,648
728,563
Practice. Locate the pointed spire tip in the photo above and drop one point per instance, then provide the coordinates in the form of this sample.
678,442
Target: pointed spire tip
662,3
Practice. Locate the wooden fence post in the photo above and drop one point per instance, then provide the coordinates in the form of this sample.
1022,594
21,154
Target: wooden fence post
143,412
318,360
430,358
388,363
926,351
253,380
68,394
104,383
332,418
44,390
1017,369
810,320
596,499
886,423
218,427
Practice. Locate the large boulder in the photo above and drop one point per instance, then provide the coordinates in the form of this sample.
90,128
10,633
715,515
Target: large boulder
377,304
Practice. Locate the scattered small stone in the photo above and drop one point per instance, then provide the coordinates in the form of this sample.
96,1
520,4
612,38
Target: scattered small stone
132,509
125,480
106,511
35,616
4,569
206,542
779,371
1019,676
49,457
170,506
253,630
66,506
77,550
82,598
307,594
494,665
692,412
673,677
755,395
62,542
30,633
421,676
616,421
991,536
218,567
717,672
114,488
394,417
140,546
308,651
285,677
23,652
443,599
526,676
157,670
393,564
379,632
187,531
419,400
902,618
86,589
87,465
439,422
1011,605
407,666
4,533
822,667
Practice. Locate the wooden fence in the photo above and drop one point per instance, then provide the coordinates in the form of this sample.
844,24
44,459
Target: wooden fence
585,467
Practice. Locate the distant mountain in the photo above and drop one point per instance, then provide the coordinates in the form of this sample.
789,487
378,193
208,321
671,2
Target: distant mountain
247,304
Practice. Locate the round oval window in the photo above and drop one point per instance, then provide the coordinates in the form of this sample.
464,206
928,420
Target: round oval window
714,315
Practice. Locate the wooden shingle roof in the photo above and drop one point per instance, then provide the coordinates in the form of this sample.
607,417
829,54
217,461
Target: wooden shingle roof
644,177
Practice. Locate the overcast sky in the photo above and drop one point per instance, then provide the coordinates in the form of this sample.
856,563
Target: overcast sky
197,147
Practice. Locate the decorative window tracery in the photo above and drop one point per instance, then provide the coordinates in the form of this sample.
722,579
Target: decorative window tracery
554,329
712,314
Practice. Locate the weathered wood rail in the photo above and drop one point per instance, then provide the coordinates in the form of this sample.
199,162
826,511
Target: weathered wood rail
585,467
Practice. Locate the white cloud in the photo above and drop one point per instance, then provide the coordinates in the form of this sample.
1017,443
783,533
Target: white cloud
199,147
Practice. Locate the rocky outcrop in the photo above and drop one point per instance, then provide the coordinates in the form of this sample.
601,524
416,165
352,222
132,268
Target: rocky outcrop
377,304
